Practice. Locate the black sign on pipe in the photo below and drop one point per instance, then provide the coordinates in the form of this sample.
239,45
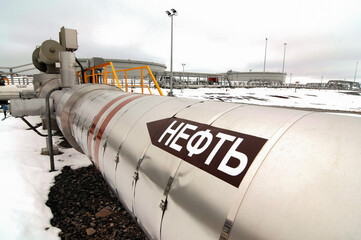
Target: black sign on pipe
222,153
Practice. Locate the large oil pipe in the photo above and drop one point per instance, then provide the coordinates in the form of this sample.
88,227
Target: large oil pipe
193,169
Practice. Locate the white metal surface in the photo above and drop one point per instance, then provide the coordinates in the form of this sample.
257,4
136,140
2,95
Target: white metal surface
302,181
10,92
28,107
67,69
309,185
153,175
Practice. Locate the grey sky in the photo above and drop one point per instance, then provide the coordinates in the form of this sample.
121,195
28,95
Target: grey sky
323,37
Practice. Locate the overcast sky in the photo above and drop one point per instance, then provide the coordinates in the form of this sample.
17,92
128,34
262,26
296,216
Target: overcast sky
323,36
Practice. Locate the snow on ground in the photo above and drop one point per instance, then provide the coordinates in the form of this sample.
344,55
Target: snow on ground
288,97
25,179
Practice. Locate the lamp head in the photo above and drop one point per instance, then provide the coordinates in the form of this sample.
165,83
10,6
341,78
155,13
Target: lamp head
174,12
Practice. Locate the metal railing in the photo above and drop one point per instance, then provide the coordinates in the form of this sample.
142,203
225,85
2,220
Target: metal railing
19,80
100,73
12,72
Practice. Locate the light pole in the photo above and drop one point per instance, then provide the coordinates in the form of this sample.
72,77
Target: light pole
321,82
265,55
290,77
264,62
284,57
170,14
354,79
183,64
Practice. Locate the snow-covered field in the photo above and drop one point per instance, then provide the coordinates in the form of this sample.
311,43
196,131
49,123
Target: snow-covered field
299,98
25,179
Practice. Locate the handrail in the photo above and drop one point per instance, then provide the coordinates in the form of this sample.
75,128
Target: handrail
96,77
142,82
7,80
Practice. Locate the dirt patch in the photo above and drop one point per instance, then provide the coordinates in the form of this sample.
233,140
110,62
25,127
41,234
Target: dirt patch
64,143
85,208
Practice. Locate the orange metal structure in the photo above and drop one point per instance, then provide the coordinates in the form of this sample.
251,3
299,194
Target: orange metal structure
97,77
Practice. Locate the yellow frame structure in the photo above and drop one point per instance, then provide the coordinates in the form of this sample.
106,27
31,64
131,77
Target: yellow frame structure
95,76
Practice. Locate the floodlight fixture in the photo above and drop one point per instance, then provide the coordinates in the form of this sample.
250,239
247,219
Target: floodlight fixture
169,14
174,12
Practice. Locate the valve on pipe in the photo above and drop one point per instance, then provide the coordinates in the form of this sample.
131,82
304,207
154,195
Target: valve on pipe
47,54
57,62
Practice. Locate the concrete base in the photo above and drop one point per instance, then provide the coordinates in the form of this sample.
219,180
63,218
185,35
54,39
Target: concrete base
54,124
45,151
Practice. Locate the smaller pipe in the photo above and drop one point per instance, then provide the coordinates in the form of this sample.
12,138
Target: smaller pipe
50,134
67,70
82,70
32,127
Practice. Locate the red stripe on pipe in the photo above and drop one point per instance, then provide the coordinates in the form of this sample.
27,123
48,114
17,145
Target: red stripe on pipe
105,124
96,120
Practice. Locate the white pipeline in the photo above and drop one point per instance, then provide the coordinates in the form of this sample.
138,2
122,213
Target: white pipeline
192,169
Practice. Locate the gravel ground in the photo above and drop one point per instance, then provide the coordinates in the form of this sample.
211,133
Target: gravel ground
85,208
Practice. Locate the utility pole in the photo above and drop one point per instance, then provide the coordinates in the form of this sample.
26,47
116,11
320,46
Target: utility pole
284,57
265,56
354,79
183,64
290,77
264,62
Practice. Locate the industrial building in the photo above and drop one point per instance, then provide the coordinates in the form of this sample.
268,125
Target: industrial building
257,78
120,64
190,79
181,79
